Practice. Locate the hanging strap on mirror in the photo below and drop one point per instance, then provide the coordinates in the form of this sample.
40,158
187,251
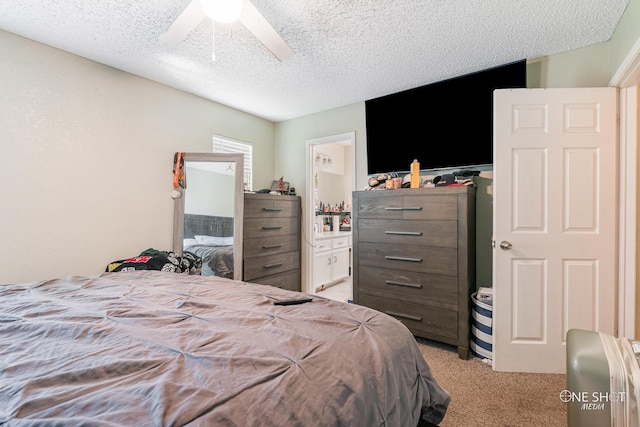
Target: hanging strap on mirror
178,170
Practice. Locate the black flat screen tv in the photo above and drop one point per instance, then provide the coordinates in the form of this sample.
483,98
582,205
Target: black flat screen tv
445,125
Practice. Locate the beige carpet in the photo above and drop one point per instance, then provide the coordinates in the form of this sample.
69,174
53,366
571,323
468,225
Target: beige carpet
482,397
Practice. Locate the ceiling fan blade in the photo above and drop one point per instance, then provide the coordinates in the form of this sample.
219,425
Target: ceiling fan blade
260,27
188,19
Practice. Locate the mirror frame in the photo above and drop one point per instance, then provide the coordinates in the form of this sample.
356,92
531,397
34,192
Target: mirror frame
238,202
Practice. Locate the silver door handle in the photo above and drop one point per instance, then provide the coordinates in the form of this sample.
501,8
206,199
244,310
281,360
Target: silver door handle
504,245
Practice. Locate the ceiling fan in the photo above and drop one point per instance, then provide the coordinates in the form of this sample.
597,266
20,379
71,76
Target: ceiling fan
227,11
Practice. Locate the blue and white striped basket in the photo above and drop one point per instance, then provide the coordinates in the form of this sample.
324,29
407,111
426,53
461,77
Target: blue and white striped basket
481,328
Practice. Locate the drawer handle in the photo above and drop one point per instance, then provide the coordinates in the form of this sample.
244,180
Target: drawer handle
272,210
271,228
401,258
404,233
273,265
408,208
407,285
403,315
271,246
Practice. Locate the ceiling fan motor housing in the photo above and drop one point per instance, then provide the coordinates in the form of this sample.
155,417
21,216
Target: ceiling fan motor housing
225,11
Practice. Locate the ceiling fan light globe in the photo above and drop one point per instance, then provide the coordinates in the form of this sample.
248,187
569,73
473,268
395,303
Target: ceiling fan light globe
225,11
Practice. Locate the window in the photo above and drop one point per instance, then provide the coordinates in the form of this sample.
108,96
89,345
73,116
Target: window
223,144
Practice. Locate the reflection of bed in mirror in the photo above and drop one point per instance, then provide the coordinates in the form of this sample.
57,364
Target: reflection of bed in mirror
210,238
212,196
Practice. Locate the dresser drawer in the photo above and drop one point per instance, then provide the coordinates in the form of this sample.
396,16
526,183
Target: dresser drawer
443,207
423,321
421,232
288,280
256,208
429,289
272,264
409,258
259,227
261,246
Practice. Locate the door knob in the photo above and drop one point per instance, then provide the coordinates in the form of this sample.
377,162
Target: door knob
504,245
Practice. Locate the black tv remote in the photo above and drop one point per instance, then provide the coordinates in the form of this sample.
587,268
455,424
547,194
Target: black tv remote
292,301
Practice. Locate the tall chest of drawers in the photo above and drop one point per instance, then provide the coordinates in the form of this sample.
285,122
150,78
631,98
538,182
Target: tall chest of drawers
414,258
271,242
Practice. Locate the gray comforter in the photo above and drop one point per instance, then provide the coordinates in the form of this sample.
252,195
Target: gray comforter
148,348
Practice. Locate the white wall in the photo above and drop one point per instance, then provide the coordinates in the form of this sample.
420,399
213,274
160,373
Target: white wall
560,71
87,154
625,36
331,188
290,150
334,178
595,65
291,137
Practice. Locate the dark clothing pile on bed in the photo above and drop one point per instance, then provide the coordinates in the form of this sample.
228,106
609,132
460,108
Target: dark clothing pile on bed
153,259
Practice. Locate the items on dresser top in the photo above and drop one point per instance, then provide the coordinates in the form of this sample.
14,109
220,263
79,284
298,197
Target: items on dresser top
414,258
391,181
271,243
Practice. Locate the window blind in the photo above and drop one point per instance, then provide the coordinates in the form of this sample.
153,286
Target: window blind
223,144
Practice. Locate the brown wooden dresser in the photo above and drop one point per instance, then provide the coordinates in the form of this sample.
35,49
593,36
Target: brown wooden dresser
414,258
271,243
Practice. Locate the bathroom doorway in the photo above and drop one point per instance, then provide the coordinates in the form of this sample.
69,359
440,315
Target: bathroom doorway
330,183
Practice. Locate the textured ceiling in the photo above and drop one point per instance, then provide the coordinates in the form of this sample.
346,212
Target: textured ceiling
346,51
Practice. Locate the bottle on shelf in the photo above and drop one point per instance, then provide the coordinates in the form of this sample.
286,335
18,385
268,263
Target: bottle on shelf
415,174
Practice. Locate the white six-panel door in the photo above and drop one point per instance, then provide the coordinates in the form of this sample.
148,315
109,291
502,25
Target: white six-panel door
555,222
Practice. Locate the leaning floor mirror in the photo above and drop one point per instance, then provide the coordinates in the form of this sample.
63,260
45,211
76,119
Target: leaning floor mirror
208,210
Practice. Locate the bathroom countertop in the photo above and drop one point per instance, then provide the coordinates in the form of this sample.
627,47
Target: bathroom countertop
330,234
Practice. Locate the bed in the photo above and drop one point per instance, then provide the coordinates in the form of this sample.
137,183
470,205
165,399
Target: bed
603,380
165,349
211,239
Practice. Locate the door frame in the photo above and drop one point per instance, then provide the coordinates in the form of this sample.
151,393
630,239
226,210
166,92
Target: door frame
626,78
310,241
627,293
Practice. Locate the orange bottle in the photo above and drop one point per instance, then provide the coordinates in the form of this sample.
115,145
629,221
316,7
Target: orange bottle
415,174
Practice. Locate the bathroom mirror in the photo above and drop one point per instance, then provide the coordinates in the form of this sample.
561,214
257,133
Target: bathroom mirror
208,212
